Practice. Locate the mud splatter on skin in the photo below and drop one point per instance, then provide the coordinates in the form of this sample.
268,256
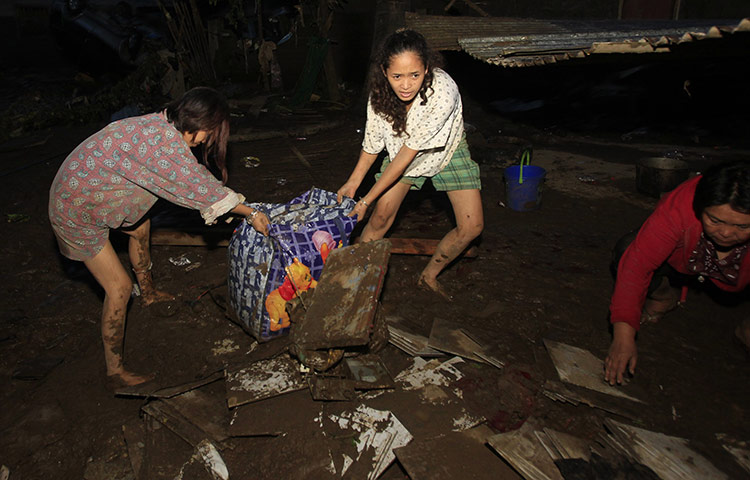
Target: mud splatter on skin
113,334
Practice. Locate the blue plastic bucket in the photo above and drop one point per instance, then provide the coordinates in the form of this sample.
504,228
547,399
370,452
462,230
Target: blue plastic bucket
523,185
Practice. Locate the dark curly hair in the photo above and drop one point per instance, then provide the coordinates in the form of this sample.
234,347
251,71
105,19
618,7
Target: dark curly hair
203,108
724,183
382,97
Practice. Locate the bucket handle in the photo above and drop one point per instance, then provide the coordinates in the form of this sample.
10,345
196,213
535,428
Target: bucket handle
525,157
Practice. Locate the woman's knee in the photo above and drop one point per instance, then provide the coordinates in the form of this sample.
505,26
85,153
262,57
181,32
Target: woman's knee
381,220
469,230
119,290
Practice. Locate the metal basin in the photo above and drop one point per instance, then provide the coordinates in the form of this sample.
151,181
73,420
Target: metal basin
656,175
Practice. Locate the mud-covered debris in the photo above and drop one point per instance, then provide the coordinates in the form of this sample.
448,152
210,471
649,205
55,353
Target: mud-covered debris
263,379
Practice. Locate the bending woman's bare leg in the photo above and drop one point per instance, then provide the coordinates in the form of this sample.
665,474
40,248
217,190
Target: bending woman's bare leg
385,212
467,207
140,257
111,275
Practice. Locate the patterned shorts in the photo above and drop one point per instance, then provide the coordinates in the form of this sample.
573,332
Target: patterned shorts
461,173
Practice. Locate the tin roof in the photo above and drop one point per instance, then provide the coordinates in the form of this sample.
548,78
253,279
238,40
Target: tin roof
515,42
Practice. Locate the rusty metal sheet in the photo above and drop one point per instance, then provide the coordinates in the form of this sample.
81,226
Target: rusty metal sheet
516,42
342,309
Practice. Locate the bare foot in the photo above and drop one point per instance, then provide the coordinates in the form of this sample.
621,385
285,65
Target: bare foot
654,310
126,379
433,286
156,296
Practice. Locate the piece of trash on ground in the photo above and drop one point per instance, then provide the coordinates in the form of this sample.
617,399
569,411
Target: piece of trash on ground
17,217
209,456
250,161
434,372
193,266
378,433
180,261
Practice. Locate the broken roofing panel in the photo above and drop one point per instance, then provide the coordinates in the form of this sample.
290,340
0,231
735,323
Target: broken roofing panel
514,42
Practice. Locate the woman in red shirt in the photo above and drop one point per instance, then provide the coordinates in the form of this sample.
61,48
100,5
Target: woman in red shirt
701,229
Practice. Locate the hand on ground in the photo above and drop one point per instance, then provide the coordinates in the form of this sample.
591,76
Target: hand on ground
622,355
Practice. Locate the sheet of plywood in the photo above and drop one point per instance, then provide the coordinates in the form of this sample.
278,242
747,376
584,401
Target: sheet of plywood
209,413
342,309
273,416
412,344
669,457
580,367
454,455
448,337
522,449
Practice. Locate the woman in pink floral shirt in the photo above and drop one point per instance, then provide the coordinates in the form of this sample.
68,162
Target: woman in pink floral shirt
114,177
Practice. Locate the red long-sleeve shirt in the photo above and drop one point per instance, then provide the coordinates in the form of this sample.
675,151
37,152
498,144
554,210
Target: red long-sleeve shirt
670,234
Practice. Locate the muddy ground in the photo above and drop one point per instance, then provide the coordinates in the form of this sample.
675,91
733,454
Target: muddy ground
537,275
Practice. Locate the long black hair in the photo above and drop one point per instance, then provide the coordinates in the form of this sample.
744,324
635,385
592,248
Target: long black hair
383,99
203,108
725,183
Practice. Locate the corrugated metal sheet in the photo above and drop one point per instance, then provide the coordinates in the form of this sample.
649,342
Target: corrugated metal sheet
513,42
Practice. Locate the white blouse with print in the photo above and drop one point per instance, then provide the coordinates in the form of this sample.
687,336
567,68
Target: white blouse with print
434,129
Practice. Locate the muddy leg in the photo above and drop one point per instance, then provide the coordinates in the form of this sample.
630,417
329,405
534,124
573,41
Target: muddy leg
111,275
467,207
140,257
385,213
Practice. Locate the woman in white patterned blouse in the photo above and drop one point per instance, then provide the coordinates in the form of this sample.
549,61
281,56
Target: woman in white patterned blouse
414,112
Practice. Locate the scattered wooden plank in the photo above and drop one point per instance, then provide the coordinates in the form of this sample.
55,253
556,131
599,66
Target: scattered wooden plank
263,379
525,453
454,455
560,393
219,238
262,419
562,446
175,422
413,344
669,457
446,337
421,246
209,413
152,390
133,432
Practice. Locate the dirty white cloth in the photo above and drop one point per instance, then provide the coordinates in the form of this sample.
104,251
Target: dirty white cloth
434,129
